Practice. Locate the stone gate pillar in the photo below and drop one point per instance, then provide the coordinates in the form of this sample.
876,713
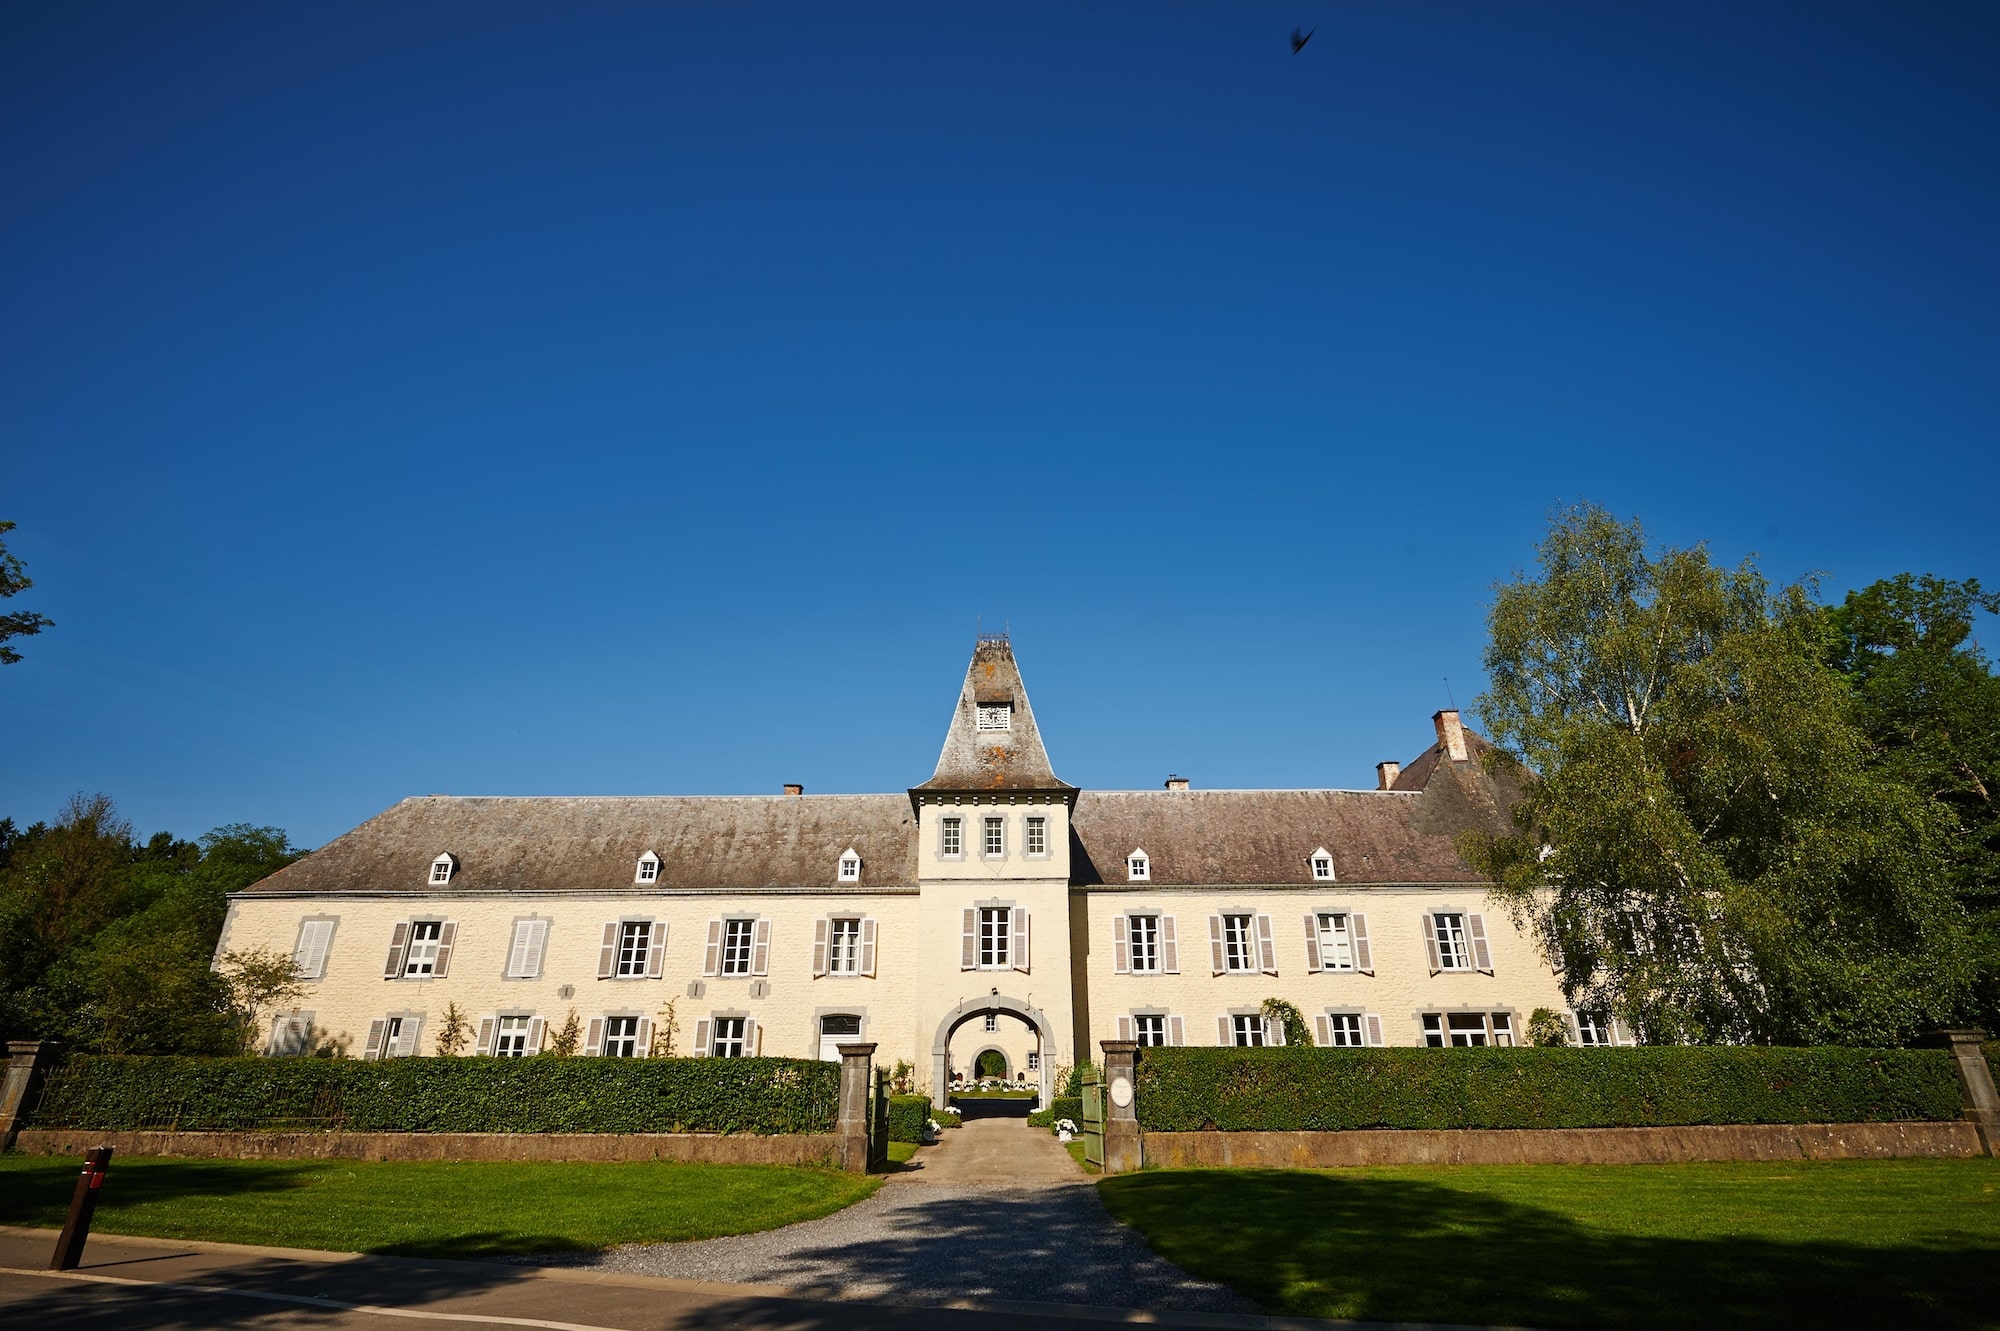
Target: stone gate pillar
28,1062
1121,1113
852,1126
1975,1080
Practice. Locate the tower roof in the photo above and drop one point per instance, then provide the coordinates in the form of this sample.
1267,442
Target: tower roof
993,743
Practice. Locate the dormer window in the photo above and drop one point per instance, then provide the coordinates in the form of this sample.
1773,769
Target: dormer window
1138,868
1322,865
850,867
442,869
995,715
648,870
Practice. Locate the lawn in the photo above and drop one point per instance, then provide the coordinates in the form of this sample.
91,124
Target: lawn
438,1210
1838,1243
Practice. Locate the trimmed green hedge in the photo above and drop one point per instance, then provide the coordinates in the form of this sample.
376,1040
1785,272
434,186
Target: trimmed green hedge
1292,1089
909,1117
1061,1106
751,1095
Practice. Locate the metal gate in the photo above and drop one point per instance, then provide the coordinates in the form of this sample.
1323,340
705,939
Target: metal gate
1093,1115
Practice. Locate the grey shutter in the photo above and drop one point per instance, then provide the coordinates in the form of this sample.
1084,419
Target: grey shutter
711,959
399,946
485,1042
819,947
700,1049
1431,943
656,952
275,1043
1357,932
968,958
607,952
642,1044
1482,958
538,943
517,952
760,950
413,1029
1312,945
1372,1024
1021,939
536,1028
752,1037
868,947
1620,1032
1324,1029
1267,949
1274,1031
1120,957
1224,1035
1176,1031
1569,1024
1170,950
447,935
315,936
373,1049
1124,1028
593,1039
1215,960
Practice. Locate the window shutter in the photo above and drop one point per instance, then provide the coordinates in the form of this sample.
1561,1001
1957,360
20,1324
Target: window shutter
868,948
1323,1029
399,944
413,1028
1312,945
1373,1025
1021,939
1124,1028
607,951
752,1037
310,955
1215,963
760,950
447,935
1621,1033
642,1044
373,1049
536,1028
517,955
1170,950
656,953
1265,946
538,942
819,947
485,1042
1223,1034
968,958
1120,958
700,1049
593,1038
1482,958
1569,1024
275,1045
1431,943
711,959
1176,1031
1274,1031
1357,932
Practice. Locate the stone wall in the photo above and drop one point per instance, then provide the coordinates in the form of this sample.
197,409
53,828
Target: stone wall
707,1148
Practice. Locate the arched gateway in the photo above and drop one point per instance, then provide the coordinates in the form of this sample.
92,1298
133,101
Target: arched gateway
998,1004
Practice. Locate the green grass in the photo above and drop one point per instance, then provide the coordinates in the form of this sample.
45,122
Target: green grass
1840,1243
437,1210
1075,1148
901,1152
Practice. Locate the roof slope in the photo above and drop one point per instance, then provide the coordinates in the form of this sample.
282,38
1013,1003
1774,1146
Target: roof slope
1011,759
590,844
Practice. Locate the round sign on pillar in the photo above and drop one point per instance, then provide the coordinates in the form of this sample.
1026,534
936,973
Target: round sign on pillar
1121,1092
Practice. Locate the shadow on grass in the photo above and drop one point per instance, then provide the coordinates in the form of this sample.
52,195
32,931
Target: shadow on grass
1328,1245
39,1193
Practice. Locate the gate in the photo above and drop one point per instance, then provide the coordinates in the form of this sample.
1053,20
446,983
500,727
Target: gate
1093,1115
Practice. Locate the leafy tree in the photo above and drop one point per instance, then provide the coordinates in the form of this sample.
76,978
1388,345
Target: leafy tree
1292,1021
1546,1029
13,581
1708,850
260,984
563,1043
453,1032
666,1031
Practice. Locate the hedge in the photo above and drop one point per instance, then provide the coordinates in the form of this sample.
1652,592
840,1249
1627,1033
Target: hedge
1060,1106
749,1095
1298,1089
909,1117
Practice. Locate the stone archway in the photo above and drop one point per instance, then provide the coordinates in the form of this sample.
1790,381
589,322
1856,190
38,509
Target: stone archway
967,1009
1006,1068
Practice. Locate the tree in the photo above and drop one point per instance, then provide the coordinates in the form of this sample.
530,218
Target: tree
563,1043
1707,850
1547,1029
453,1032
260,983
1290,1020
13,581
666,1031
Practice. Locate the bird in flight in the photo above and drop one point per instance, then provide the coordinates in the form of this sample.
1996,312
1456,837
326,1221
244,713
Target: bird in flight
1299,39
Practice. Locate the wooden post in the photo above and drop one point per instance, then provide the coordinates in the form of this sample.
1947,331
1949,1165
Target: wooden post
852,1127
1121,1112
82,1205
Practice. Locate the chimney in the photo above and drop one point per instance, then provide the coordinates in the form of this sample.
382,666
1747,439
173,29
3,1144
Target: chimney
1176,782
1451,735
1386,774
793,788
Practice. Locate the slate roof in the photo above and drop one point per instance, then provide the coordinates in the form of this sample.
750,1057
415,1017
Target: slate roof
976,760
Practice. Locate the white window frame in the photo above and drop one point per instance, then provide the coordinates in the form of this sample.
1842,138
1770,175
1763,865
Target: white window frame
635,947
726,1037
1454,941
993,836
1035,836
510,1035
1347,1030
951,837
1247,1030
1336,940
843,945
648,869
442,868
421,963
995,938
850,868
993,717
628,1037
1320,863
992,1023
1148,1025
733,927
1239,945
1138,867
1593,1030
1142,944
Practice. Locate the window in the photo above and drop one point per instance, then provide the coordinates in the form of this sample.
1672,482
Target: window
1239,947
850,868
315,936
1150,1029
994,843
736,946
291,1035
441,869
1138,868
1467,1030
1453,953
1038,835
1344,1030
524,958
1322,866
1034,1060
513,1040
951,842
995,933
728,1039
635,940
1247,1030
1593,1029
1142,933
992,1021
399,1032
1502,1026
1336,944
423,954
843,956
995,716
649,869
621,1037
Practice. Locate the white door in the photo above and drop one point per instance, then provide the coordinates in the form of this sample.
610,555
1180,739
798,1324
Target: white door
835,1031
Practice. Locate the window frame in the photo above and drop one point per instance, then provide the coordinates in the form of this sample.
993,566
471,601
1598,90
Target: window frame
631,962
1034,830
992,834
1321,859
429,959
1138,866
1334,940
442,868
1454,952
1242,1024
1246,942
1338,1026
951,837
985,712
834,936
1140,1023
994,938
718,1039
648,861
612,1037
1134,944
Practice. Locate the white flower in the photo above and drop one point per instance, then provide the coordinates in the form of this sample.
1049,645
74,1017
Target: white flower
1064,1125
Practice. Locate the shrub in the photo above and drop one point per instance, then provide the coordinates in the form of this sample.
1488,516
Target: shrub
1295,1089
1061,1106
909,1115
751,1095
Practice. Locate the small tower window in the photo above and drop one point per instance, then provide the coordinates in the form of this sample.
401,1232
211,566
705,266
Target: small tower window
850,867
996,715
649,869
1322,865
442,869
1138,868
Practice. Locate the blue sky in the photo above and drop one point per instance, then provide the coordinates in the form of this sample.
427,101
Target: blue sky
653,399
